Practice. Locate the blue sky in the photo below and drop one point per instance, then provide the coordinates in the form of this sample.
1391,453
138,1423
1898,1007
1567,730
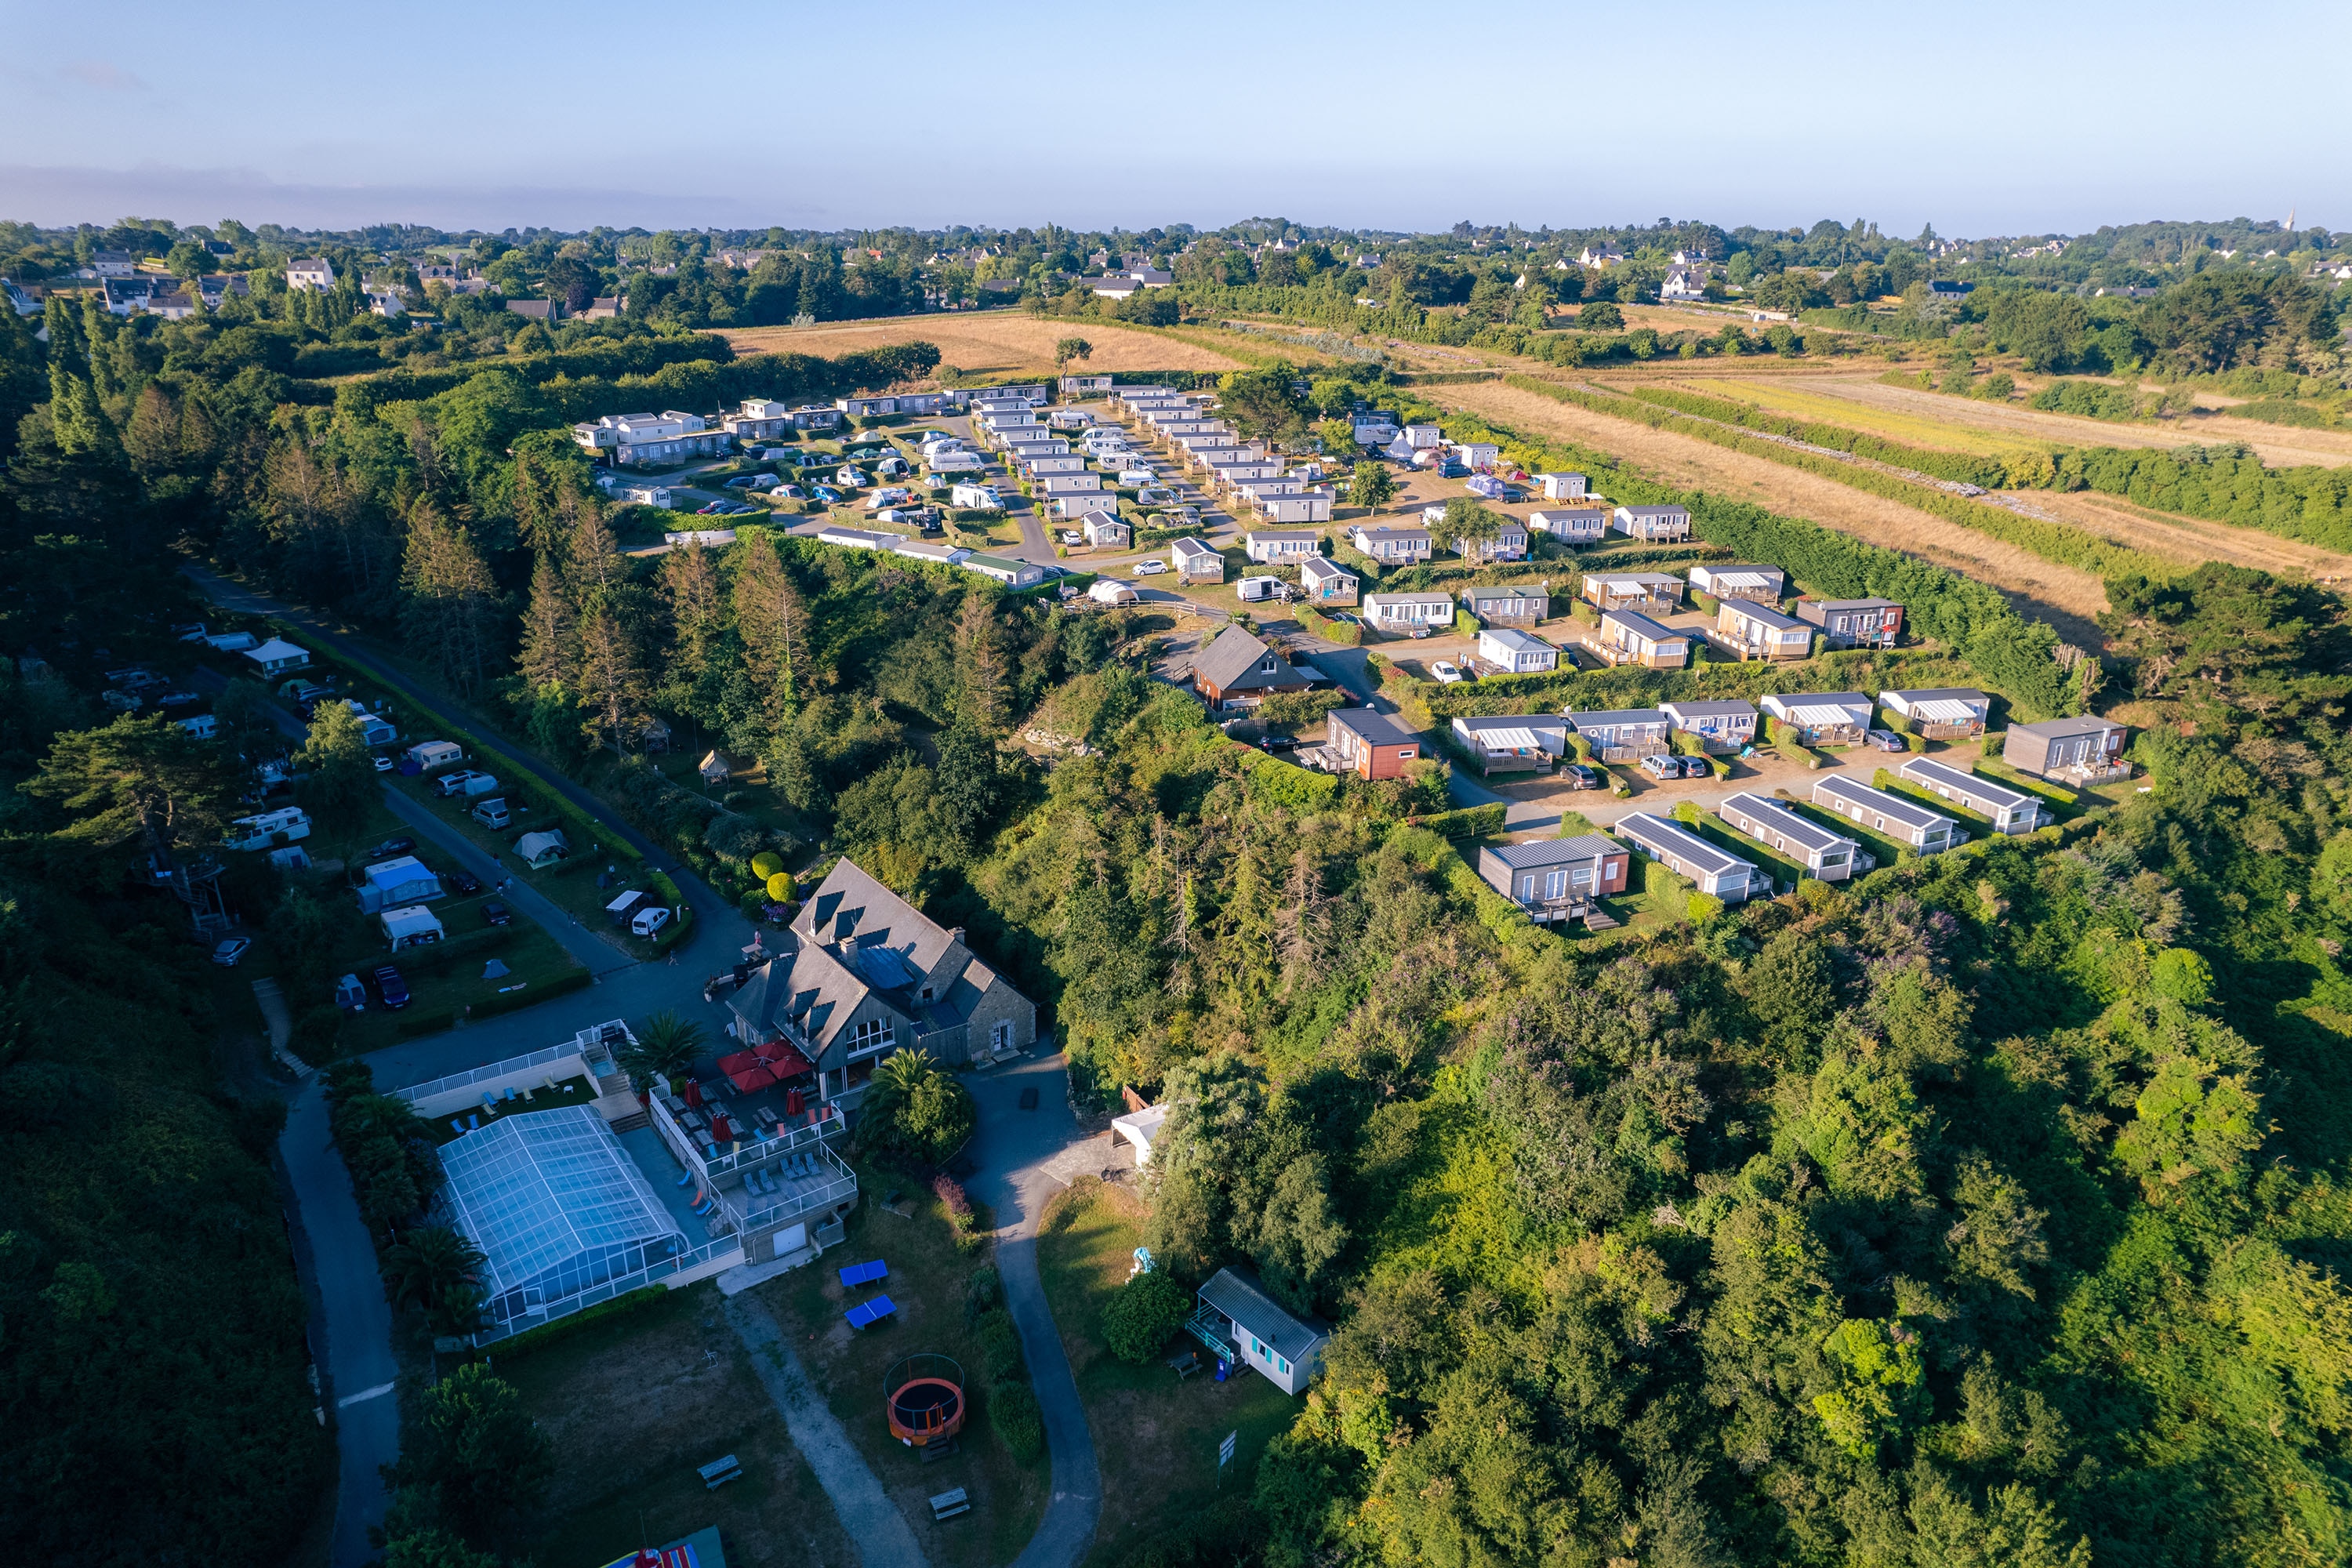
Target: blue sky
1997,117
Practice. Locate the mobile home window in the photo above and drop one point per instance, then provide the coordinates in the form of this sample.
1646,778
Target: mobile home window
1555,884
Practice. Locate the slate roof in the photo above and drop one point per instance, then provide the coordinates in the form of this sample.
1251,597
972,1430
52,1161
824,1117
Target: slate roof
1543,852
1231,664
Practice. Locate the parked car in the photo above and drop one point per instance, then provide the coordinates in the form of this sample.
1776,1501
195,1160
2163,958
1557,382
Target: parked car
826,494
399,845
788,492
392,988
1663,767
384,764
1149,568
1579,776
713,510
649,922
495,912
448,785
231,950
463,883
1447,674
1698,768
1886,740
1280,742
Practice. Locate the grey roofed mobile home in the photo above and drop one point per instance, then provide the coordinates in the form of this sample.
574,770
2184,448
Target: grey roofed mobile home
2012,810
1841,714
1717,872
2057,747
1283,1347
1512,741
1942,712
1765,584
1904,820
1616,726
1551,878
1727,722
1514,605
1828,855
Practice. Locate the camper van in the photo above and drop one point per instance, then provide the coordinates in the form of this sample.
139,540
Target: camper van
202,727
492,813
270,829
1253,589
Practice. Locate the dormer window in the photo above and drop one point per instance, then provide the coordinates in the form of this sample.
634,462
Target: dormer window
1267,667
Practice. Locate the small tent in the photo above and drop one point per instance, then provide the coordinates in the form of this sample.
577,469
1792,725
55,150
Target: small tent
538,849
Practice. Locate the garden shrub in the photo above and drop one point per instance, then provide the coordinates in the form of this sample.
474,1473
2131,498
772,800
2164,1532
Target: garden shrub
1013,1410
1139,1321
1000,1345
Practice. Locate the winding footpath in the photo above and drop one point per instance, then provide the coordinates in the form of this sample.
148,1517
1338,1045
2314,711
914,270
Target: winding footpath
1011,1149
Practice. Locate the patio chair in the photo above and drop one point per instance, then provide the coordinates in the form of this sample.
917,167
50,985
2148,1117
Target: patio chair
456,1126
684,1177
472,1121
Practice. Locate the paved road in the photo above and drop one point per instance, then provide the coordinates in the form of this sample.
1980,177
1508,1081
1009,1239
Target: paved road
356,1364
1011,1147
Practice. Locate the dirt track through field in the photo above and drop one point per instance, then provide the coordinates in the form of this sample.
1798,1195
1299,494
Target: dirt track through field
2277,446
2063,596
987,341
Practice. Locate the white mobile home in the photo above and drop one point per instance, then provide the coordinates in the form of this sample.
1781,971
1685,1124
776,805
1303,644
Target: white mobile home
1195,562
1905,821
1726,723
1571,525
1822,718
1405,613
2012,810
1717,872
1516,652
1830,857
1941,713
1267,547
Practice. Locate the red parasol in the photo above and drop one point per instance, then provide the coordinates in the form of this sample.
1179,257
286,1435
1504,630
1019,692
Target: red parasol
792,1102
721,1131
752,1076
693,1092
739,1062
783,1060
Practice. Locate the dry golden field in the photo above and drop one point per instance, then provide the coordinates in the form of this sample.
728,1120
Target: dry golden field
988,342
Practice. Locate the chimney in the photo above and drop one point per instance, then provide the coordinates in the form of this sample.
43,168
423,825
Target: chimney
956,935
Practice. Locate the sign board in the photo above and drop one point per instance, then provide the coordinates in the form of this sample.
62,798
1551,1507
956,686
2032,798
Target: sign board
1225,1449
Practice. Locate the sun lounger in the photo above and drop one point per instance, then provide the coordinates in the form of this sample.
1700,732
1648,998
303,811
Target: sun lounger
858,1274
866,1314
490,1101
472,1121
510,1096
456,1126
684,1177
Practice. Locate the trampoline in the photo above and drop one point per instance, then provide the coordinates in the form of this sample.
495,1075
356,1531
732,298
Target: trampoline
926,1399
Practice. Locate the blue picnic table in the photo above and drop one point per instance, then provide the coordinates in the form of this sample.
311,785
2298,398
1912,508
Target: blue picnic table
866,1314
858,1274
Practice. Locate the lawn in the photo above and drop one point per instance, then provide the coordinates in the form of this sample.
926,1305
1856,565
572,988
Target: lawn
1155,1436
1915,431
634,1403
927,1280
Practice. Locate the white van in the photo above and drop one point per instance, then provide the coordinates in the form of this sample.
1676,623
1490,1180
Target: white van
649,922
492,813
202,727
1253,589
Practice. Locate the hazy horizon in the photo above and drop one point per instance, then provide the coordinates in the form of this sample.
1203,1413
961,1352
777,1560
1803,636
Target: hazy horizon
2009,121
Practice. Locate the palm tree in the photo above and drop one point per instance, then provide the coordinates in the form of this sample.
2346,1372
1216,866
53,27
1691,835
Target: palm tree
459,1312
665,1048
428,1266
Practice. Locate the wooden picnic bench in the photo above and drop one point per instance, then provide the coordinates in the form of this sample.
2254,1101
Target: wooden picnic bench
719,1472
1185,1365
946,1505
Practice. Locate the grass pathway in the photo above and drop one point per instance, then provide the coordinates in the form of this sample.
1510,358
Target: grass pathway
866,1513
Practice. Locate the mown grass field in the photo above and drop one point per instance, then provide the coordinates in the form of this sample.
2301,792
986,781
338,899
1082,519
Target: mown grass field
1797,398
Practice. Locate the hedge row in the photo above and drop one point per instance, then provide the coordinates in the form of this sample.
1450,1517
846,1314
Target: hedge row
1349,634
2221,484
509,1001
